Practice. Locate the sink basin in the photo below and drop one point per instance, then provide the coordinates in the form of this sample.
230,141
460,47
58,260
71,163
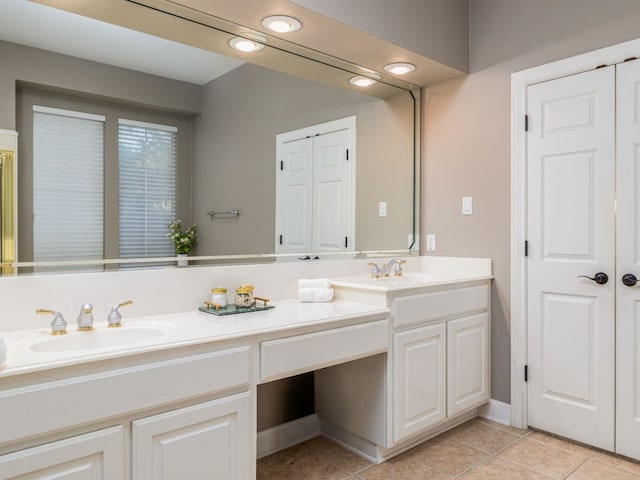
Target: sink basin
113,337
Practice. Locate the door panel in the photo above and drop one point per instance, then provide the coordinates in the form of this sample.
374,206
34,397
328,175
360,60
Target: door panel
332,201
295,196
569,186
568,340
628,258
571,166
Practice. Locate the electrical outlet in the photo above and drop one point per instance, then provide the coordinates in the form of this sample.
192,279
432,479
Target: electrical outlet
431,243
415,245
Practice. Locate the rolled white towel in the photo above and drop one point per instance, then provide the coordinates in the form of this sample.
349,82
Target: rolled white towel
3,351
315,295
314,283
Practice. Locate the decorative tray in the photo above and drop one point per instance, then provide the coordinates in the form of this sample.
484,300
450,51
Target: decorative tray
232,309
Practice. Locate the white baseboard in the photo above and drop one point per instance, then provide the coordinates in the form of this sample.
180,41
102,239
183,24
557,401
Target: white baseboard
496,411
286,435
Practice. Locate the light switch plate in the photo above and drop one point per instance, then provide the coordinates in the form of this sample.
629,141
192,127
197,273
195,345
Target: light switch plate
431,243
382,209
467,205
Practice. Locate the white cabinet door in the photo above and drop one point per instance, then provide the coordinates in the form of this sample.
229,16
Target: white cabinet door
419,379
467,363
93,456
628,260
204,441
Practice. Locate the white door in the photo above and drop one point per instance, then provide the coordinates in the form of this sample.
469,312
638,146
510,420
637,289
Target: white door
420,379
204,441
628,260
468,374
332,193
315,206
570,231
295,197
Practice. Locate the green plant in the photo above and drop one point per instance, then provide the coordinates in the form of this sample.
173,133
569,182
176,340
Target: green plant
183,240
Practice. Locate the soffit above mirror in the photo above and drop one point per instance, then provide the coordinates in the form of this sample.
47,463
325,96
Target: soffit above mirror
324,40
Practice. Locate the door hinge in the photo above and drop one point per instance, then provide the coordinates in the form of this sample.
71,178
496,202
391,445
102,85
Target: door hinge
526,123
281,165
346,242
526,248
347,154
526,373
280,239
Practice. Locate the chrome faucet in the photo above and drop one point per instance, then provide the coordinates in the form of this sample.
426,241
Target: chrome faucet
115,318
85,318
58,324
394,264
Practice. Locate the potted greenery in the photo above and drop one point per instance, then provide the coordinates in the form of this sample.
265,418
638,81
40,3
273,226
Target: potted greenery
183,240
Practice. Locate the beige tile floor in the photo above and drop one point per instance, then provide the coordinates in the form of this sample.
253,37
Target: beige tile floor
476,450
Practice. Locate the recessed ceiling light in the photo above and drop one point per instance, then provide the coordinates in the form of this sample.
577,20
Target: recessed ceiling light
281,23
399,68
360,81
245,45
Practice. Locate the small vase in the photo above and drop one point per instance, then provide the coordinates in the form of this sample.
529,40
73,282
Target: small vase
182,259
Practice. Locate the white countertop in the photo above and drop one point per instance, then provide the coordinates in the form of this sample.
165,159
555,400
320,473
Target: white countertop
175,330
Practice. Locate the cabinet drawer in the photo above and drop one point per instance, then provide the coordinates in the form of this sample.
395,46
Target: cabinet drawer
303,353
88,398
440,305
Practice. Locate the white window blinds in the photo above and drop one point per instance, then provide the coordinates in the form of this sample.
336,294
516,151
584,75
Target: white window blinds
68,185
147,188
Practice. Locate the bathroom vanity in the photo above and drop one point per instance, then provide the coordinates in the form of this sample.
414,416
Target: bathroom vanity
396,360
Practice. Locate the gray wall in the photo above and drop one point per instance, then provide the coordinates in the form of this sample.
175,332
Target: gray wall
467,130
40,67
435,29
234,157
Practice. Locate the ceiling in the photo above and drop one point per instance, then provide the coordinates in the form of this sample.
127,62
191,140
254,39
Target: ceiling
70,34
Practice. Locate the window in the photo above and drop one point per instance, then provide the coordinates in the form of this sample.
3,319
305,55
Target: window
147,188
68,185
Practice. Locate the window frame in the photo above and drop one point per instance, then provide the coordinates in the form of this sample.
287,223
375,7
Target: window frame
28,95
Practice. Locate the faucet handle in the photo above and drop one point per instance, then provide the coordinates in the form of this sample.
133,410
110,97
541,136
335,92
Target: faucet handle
58,324
397,269
376,271
115,318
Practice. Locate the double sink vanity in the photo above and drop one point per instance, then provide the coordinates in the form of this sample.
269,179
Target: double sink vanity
396,360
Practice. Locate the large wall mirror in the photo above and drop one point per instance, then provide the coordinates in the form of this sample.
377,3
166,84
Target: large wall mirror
153,70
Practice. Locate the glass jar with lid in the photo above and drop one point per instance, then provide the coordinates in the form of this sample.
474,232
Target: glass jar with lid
244,297
219,296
